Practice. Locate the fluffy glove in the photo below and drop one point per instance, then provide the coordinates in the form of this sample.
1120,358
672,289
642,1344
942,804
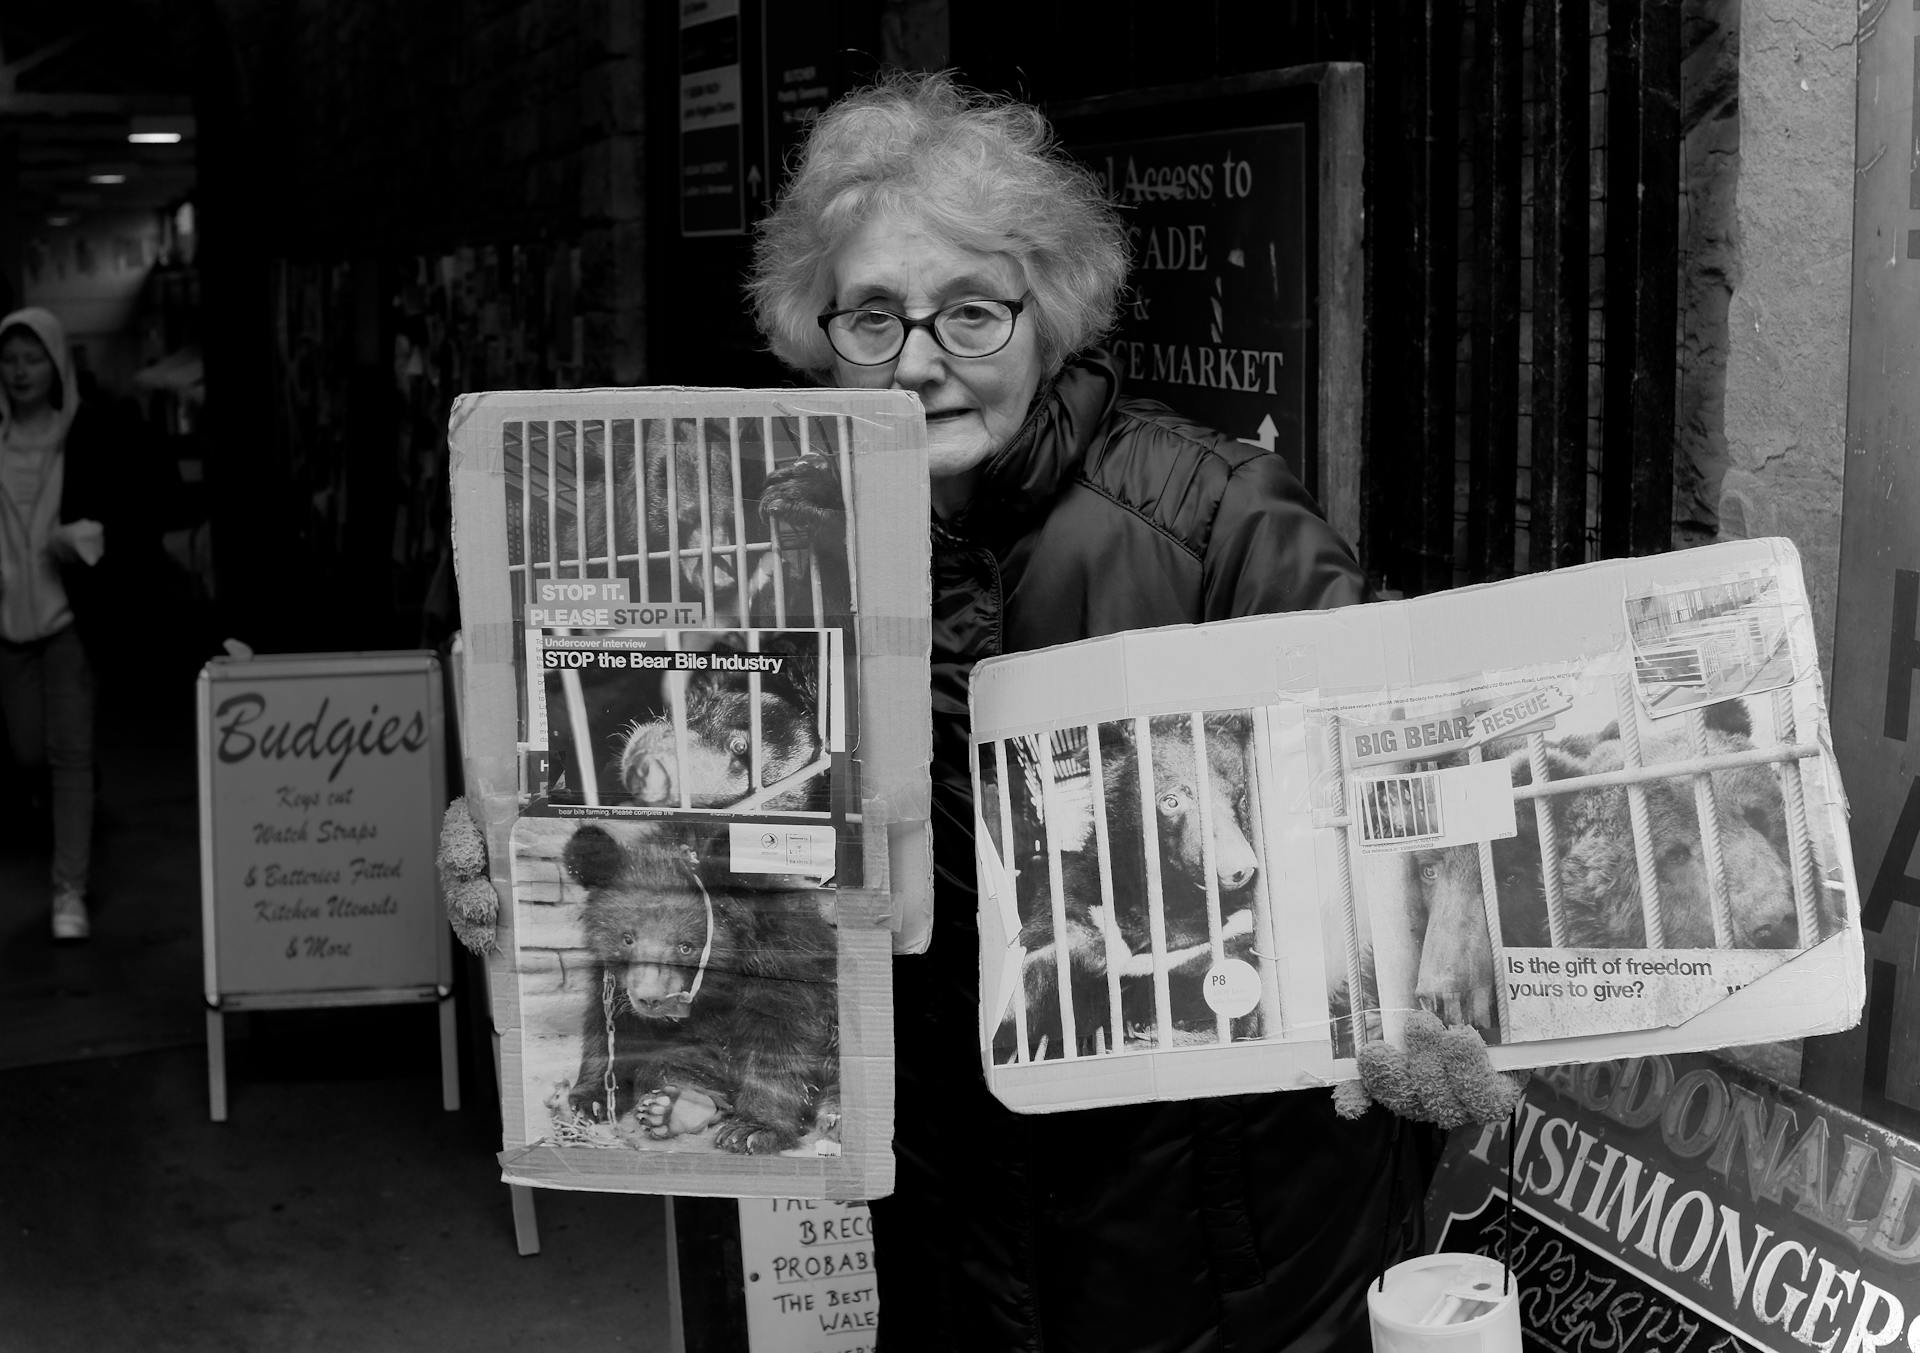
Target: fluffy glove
1443,1077
461,862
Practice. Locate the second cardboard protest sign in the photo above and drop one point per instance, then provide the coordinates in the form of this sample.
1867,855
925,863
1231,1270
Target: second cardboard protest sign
1611,828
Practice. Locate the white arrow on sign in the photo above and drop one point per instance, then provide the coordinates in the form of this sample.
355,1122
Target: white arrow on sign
1268,434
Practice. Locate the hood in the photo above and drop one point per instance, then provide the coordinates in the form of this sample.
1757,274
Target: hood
48,329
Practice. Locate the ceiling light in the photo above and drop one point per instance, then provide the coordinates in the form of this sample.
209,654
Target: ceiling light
159,130
106,178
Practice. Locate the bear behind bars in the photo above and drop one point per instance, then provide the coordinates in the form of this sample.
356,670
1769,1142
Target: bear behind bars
1187,831
690,502
722,993
717,711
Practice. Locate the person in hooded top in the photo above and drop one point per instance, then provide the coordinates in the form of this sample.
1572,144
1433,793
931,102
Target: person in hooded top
70,508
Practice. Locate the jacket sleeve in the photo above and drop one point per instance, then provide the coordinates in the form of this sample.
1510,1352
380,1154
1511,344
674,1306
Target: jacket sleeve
1271,550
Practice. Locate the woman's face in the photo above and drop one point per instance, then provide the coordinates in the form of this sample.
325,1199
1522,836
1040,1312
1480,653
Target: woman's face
974,404
26,372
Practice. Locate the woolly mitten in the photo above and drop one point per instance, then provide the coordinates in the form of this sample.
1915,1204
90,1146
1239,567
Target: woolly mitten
1443,1076
461,862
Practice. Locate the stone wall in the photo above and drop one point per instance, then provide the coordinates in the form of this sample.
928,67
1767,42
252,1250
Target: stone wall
1786,383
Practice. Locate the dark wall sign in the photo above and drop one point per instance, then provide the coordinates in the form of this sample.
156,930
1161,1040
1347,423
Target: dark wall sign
1242,200
805,72
1220,323
1684,1205
713,170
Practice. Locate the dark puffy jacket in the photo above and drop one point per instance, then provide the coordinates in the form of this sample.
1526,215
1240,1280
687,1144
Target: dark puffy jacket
1244,1223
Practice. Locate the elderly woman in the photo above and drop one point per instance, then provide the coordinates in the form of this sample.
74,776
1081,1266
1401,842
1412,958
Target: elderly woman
936,240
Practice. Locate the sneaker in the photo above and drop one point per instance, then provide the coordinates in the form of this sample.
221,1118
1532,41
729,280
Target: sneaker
69,915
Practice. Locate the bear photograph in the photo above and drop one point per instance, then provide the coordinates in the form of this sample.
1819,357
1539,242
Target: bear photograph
1740,894
1703,642
1152,845
667,1003
692,525
747,730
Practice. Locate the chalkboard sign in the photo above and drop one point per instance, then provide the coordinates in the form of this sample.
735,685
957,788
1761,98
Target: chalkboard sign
1242,203
322,784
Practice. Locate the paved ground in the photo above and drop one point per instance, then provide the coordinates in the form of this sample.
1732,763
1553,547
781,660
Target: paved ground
338,1208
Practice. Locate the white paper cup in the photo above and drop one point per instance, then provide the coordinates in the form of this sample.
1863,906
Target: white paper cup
1404,1311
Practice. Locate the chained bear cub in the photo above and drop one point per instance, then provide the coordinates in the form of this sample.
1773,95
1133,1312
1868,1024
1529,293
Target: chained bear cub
709,1006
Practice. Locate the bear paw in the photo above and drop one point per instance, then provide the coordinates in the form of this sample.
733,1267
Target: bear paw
587,1102
746,1138
679,1111
826,1116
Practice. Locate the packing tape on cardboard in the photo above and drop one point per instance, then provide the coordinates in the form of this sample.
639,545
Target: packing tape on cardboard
894,636
901,804
491,643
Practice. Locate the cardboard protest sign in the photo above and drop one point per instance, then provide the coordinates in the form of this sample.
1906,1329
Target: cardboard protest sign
1588,813
700,740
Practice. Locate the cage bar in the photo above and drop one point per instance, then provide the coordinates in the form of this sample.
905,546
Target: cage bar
773,540
682,745
1549,844
756,752
1097,780
1643,855
612,537
526,515
553,500
813,563
640,555
1156,900
585,770
1062,956
1490,904
1706,805
1203,794
741,572
1266,944
1006,854
703,485
569,436
1343,858
1806,880
672,480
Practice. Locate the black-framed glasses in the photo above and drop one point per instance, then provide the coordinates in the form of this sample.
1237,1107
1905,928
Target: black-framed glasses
868,336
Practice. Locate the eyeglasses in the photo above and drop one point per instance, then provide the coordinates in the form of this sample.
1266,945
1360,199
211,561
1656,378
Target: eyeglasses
868,337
